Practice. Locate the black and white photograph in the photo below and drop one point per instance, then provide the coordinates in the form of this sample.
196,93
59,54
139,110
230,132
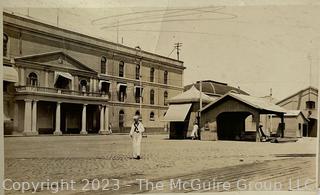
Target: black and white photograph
169,96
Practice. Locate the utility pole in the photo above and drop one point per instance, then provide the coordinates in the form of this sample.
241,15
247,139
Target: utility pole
177,47
199,130
138,49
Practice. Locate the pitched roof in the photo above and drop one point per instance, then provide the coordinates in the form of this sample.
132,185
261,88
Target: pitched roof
301,91
191,95
214,88
256,102
295,113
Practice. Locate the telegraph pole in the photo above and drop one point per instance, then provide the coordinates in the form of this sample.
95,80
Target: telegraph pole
177,47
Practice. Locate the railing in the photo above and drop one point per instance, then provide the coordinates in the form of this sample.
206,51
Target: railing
59,91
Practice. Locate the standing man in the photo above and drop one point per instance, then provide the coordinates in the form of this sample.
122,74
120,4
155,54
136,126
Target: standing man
136,135
194,133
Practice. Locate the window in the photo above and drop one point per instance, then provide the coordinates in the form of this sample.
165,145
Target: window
121,69
165,97
152,75
137,72
165,77
103,65
151,116
122,92
138,93
83,85
137,113
104,87
299,126
5,44
33,79
310,105
152,96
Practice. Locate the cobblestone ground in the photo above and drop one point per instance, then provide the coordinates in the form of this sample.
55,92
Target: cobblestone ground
76,158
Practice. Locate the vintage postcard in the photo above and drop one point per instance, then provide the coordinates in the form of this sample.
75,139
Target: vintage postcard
160,97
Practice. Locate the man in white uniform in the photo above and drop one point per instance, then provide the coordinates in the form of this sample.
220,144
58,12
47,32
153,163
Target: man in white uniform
194,132
136,135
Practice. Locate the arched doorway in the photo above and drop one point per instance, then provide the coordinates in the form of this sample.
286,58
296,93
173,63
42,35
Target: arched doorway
231,125
121,121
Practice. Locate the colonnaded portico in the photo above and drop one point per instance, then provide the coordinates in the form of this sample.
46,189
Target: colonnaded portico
60,113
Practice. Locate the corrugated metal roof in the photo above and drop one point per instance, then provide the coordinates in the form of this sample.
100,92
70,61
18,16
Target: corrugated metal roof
256,102
192,95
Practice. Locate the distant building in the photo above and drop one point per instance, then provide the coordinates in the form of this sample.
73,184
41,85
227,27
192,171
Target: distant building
306,101
183,112
214,88
58,81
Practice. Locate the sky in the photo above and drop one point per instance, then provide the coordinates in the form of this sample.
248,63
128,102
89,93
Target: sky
256,47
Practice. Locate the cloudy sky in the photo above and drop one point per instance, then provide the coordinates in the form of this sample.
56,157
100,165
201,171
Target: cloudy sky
256,47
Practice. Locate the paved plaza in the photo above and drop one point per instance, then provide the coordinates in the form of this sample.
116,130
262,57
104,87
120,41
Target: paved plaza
89,158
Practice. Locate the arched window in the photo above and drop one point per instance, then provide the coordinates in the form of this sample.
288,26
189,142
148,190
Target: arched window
121,69
137,71
151,116
33,79
152,74
5,44
103,65
121,119
165,77
137,113
165,97
151,96
83,85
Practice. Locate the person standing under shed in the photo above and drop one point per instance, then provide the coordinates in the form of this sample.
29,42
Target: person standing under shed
194,132
136,131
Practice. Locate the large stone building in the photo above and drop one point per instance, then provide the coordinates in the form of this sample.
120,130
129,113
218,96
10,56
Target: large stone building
57,81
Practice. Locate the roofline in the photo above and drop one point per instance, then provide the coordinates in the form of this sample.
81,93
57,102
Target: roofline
89,37
230,94
25,58
302,90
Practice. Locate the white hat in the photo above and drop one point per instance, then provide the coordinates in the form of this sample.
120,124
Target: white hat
136,117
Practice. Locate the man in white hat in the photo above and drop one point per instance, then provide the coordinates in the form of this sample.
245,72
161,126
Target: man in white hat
136,134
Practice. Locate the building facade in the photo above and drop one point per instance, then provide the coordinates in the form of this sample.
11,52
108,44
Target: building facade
305,100
73,83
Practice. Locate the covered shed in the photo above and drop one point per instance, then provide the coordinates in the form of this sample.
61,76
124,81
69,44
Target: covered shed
296,123
184,111
225,117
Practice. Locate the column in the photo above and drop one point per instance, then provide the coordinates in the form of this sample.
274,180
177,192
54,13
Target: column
27,117
103,128
106,118
22,77
46,78
91,85
58,118
94,85
34,118
84,120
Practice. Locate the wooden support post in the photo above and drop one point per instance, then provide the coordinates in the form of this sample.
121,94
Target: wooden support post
282,125
258,135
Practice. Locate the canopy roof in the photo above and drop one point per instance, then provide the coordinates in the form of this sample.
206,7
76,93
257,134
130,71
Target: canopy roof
191,95
177,112
10,74
256,102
